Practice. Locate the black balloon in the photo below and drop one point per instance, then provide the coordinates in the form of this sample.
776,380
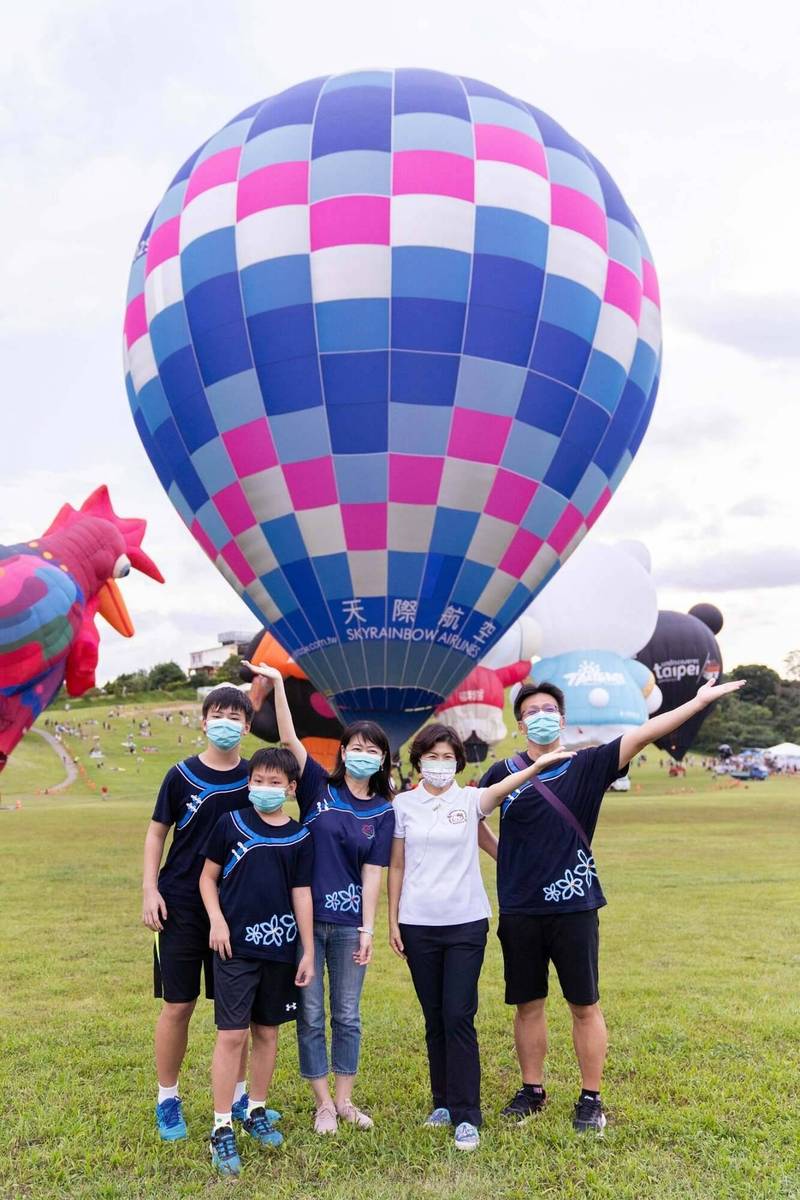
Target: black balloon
683,654
709,614
312,717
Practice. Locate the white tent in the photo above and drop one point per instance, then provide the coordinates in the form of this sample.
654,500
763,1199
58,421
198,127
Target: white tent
784,752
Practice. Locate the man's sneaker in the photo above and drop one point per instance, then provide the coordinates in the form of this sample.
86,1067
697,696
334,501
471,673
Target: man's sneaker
439,1116
467,1136
525,1104
239,1111
224,1155
259,1128
169,1118
589,1117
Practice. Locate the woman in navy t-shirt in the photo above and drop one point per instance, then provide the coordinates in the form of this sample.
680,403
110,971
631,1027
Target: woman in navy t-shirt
351,820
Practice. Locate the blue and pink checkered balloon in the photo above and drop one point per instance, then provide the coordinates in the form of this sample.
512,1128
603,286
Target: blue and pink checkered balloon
392,340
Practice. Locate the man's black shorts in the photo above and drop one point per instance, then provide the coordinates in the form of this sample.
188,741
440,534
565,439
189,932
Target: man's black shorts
254,989
181,953
570,940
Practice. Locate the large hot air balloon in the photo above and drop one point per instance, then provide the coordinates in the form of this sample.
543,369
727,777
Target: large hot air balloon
392,340
683,654
315,722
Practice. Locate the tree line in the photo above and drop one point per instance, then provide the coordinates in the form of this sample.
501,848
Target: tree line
765,713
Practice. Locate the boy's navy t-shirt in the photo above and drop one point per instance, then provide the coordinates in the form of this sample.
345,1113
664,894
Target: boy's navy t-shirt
192,798
543,866
261,864
347,833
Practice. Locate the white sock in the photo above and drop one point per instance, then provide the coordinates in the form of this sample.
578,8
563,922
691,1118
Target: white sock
252,1105
221,1119
239,1091
167,1093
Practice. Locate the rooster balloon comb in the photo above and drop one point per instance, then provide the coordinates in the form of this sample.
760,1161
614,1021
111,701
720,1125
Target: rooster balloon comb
51,589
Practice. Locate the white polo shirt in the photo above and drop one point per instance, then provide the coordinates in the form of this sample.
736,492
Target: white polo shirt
442,882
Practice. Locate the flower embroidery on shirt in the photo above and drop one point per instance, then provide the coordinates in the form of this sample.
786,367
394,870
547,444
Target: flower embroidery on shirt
272,932
574,881
586,867
345,900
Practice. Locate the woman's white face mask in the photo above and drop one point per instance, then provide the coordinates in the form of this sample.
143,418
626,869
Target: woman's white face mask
438,772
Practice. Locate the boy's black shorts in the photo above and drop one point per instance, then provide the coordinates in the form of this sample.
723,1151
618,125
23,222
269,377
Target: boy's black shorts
254,989
570,940
181,953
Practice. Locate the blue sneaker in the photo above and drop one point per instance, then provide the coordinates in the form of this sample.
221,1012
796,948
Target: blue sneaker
467,1137
239,1111
259,1128
169,1119
439,1116
224,1155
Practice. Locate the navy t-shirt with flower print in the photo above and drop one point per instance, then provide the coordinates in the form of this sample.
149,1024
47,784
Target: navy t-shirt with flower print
261,863
347,832
543,866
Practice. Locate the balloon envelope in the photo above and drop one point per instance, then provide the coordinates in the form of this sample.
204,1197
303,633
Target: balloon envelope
603,599
683,654
392,340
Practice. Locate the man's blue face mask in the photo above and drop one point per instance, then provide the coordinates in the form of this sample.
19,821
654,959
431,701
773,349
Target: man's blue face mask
543,727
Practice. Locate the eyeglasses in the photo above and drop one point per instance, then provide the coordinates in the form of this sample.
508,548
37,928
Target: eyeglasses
531,712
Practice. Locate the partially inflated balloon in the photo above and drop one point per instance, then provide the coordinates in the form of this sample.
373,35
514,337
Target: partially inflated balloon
314,720
475,708
683,654
392,340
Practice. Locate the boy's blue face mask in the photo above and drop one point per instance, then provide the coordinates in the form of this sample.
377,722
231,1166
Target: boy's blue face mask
362,764
543,727
267,799
224,733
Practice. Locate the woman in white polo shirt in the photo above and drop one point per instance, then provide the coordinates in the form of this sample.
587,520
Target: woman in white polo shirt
438,914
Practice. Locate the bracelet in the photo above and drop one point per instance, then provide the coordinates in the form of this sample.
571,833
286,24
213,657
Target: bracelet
363,929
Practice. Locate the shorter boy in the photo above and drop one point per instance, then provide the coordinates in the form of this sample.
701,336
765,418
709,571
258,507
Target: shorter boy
256,886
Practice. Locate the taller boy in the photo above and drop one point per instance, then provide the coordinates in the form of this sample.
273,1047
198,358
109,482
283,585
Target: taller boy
193,795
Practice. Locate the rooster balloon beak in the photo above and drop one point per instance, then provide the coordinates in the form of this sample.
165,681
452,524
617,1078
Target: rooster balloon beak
114,609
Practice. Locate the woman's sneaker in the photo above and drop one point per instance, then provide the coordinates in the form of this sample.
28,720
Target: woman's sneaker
239,1111
589,1117
169,1119
439,1116
525,1104
467,1137
259,1128
325,1121
349,1112
224,1155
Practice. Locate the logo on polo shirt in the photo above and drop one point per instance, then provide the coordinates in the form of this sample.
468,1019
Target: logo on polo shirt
291,1007
368,831
457,816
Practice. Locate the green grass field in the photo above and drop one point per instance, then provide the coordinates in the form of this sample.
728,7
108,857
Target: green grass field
700,958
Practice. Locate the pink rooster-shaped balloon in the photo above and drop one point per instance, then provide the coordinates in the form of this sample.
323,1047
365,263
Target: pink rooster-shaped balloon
51,589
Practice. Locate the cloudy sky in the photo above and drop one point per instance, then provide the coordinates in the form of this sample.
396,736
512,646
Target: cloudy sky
695,110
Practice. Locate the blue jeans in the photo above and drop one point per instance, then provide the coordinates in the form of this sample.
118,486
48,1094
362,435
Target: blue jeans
334,946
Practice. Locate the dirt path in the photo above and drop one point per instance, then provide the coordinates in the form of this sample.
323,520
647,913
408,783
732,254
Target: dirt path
68,764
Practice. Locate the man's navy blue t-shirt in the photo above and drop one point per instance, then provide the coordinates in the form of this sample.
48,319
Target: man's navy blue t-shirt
261,863
347,833
192,798
543,866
